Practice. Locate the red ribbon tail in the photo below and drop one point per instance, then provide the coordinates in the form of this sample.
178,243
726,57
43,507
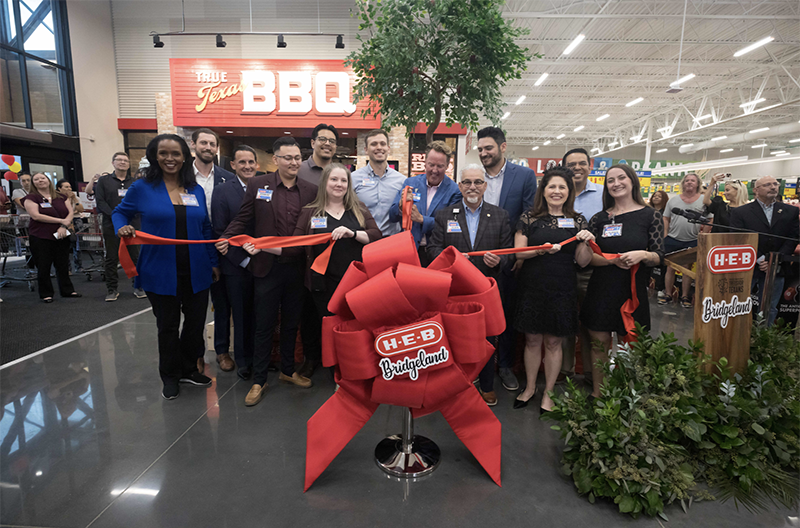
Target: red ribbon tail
477,426
405,209
320,264
331,428
125,257
630,306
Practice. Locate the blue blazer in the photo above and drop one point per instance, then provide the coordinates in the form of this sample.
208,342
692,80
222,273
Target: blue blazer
225,204
516,195
447,194
221,175
157,265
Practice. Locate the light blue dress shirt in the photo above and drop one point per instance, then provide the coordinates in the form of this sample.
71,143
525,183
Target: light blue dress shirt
494,186
590,201
473,219
767,210
378,194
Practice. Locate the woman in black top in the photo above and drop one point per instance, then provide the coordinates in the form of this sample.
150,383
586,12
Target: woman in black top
659,201
628,227
547,307
735,193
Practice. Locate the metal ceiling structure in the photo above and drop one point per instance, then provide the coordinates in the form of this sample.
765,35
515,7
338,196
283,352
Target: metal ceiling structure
632,50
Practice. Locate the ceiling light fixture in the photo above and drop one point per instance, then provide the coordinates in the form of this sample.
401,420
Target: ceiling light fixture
221,43
725,150
756,131
754,102
546,143
782,154
719,138
560,136
541,79
751,47
604,116
776,152
682,80
505,116
688,145
659,151
613,143
157,42
574,44
762,145
578,129
635,101
340,42
794,140
229,131
535,148
287,132
521,98
706,116
281,42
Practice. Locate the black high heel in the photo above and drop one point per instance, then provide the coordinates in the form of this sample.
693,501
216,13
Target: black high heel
521,404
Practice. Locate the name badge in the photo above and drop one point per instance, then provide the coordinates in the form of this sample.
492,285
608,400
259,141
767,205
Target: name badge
417,197
453,226
189,200
566,223
369,181
612,230
45,205
122,192
319,222
264,194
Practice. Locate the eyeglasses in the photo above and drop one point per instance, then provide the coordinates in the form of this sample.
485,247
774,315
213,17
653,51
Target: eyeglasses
289,159
470,183
324,140
577,164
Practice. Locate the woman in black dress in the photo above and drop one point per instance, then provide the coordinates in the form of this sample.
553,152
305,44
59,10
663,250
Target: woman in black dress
628,227
547,309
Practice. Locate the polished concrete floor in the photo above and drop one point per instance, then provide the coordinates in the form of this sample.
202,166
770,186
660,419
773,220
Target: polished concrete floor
87,440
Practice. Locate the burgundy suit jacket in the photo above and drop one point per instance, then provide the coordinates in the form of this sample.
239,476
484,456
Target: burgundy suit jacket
261,215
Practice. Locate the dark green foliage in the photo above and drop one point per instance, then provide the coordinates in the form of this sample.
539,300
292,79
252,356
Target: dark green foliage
666,430
424,60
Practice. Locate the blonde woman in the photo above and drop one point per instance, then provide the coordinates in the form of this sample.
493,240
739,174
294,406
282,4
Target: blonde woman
735,193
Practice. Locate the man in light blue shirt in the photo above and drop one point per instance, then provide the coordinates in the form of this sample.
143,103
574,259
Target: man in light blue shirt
377,184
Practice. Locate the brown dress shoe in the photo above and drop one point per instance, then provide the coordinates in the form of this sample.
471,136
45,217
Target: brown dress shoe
255,395
201,365
225,362
490,398
296,379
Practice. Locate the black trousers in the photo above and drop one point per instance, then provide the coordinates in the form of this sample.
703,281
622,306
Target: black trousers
240,296
281,290
311,326
222,317
507,343
179,348
111,243
52,253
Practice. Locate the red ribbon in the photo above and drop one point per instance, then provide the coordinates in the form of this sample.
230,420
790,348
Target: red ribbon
405,209
389,291
320,264
627,309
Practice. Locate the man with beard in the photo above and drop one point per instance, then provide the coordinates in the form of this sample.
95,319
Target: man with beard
205,143
510,187
323,141
376,184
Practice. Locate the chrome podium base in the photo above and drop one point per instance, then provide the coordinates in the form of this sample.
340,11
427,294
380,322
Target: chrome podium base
423,456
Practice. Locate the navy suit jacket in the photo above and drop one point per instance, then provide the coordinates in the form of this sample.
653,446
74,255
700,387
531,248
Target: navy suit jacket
225,204
785,223
516,195
221,175
447,194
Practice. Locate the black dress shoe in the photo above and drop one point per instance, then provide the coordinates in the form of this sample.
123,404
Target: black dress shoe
245,373
521,404
75,294
544,412
308,367
48,300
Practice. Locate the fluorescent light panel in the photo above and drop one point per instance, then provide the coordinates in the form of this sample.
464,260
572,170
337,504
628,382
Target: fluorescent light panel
541,79
753,102
683,80
688,145
719,138
659,151
762,145
613,143
535,148
794,140
505,116
635,101
759,130
521,98
776,152
725,150
560,136
604,116
574,44
578,129
546,143
782,154
751,47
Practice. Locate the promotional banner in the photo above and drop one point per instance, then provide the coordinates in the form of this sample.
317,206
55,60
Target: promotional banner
265,93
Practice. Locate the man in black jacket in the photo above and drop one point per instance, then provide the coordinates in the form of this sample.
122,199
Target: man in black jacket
766,215
474,225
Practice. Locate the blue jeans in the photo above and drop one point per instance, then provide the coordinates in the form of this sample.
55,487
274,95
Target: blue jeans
777,290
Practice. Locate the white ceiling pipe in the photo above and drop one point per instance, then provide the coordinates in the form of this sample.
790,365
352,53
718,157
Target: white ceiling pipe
787,128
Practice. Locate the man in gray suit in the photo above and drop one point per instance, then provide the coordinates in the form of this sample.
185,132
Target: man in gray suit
474,225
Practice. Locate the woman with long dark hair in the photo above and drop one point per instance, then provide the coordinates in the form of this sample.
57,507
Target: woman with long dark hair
628,227
175,278
547,307
51,219
659,200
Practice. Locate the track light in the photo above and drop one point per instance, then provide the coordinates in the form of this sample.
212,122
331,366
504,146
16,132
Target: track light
339,42
157,42
281,42
221,43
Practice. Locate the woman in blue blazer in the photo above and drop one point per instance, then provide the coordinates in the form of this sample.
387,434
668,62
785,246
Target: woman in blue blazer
175,278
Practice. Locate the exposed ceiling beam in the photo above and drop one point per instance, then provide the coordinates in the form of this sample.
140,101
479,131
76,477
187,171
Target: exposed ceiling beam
643,16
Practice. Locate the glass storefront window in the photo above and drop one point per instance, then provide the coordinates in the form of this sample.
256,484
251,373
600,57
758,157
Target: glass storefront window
8,24
12,106
45,95
37,26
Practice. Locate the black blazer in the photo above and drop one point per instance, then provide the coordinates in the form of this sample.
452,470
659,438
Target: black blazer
225,204
785,222
494,232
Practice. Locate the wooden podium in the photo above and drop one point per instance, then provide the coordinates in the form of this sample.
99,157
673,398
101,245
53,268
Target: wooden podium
722,304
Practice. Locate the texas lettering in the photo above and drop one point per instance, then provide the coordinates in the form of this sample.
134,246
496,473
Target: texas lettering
412,365
724,310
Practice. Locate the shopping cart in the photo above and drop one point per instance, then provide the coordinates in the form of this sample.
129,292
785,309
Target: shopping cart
89,233
14,244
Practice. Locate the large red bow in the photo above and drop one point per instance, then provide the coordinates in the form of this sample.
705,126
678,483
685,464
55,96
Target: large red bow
409,336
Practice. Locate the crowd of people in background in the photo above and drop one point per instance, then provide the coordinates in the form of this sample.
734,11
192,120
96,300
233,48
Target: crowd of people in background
556,297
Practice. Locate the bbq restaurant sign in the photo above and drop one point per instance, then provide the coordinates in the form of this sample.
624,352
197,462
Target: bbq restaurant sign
264,94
